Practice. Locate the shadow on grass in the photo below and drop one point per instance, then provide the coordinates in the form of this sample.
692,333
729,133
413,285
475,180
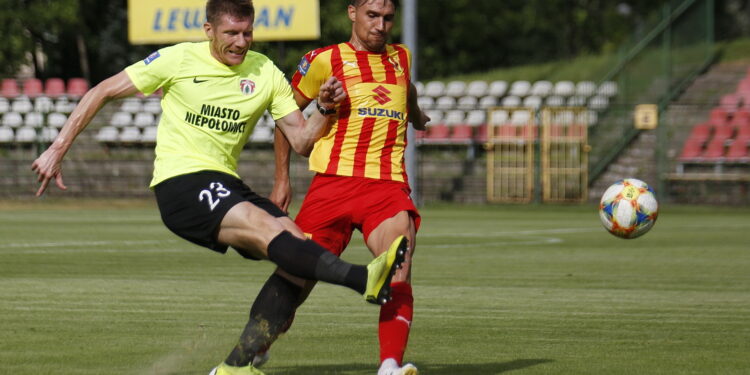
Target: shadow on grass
427,369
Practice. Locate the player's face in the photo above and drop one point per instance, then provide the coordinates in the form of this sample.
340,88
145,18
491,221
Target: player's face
371,24
230,38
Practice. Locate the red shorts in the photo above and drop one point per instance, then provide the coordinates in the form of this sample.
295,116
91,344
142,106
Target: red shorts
336,205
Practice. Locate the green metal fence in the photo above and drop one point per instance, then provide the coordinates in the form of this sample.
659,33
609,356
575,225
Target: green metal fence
654,68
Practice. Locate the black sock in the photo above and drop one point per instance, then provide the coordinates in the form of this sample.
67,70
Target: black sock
307,259
272,311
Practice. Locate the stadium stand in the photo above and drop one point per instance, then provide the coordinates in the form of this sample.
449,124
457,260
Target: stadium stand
54,87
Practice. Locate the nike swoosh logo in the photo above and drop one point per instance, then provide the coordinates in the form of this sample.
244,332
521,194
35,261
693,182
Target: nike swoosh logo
196,80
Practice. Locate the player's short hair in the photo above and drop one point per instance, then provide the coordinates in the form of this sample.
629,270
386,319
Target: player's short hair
357,3
237,8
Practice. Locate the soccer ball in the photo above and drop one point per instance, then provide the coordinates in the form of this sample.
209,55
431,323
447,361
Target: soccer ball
628,208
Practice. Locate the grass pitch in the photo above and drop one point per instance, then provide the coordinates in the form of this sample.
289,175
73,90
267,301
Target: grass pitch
106,289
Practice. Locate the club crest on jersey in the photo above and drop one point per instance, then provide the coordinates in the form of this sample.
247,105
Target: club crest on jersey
151,57
303,66
247,86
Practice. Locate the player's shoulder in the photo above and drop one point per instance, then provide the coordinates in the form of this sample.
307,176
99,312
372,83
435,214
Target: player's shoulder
319,52
399,47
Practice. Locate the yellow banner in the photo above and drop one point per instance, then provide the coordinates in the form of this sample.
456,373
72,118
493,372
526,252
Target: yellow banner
173,21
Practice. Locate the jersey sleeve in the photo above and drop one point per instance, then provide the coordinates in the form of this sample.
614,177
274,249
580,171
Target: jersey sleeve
153,72
282,101
312,71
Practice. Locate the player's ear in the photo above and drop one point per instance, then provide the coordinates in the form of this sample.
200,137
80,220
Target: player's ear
352,11
208,29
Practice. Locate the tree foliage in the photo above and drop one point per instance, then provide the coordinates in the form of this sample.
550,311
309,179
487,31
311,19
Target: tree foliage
67,38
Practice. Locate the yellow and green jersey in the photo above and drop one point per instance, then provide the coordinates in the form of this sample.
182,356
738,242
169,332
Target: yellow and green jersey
208,109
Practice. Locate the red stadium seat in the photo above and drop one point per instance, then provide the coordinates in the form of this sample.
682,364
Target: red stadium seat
730,102
54,87
691,150
438,132
9,88
506,131
701,131
738,150
481,134
77,87
741,117
32,87
743,131
723,132
715,149
718,116
462,133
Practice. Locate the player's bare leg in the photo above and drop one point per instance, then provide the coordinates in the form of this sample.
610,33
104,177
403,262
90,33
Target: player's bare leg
396,315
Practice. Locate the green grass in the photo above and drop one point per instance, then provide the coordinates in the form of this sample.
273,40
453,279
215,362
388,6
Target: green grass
106,289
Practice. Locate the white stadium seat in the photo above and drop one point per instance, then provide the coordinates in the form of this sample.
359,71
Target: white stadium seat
425,102
476,117
22,105
585,88
63,105
497,88
56,120
555,101
467,103
455,88
434,89
532,102
107,134
563,117
262,132
420,87
576,101
152,105
445,103
121,119
4,105
43,104
587,117
25,134
608,89
477,89
149,135
454,117
131,104
498,117
564,88
33,119
130,134
48,134
541,88
520,88
12,119
6,135
520,117
436,116
488,101
144,119
598,103
511,101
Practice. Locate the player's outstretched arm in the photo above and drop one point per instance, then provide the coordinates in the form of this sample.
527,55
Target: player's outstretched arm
302,134
416,115
48,165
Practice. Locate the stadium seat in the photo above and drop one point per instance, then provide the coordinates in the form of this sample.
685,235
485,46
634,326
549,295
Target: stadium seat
425,102
143,119
262,134
511,101
152,105
437,132
718,116
723,132
730,102
467,103
598,102
4,105
445,103
43,104
588,117
743,131
434,89
532,101
701,131
521,117
131,134
455,88
22,105
477,89
487,102
12,120
149,135
131,105
107,134
63,105
435,115
121,119
740,118
607,89
564,88
6,135
714,150
462,133
54,87
585,88
480,135
420,87
25,134
454,117
56,120
32,87
498,117
554,101
541,89
578,101
476,117
48,134
564,118
738,150
497,88
33,120
9,88
77,87
520,88
506,131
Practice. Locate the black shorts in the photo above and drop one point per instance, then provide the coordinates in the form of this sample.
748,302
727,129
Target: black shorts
193,205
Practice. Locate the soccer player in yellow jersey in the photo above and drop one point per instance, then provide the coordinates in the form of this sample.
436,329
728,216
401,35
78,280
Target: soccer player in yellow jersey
214,93
360,179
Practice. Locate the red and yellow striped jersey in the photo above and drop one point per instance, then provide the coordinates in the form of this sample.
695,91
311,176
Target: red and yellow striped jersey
369,137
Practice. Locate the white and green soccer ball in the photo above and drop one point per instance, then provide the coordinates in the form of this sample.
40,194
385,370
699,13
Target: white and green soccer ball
628,208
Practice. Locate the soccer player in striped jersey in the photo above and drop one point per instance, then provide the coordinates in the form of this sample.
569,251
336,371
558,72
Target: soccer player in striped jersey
360,179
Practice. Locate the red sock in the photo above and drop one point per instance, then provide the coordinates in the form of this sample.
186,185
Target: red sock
395,322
